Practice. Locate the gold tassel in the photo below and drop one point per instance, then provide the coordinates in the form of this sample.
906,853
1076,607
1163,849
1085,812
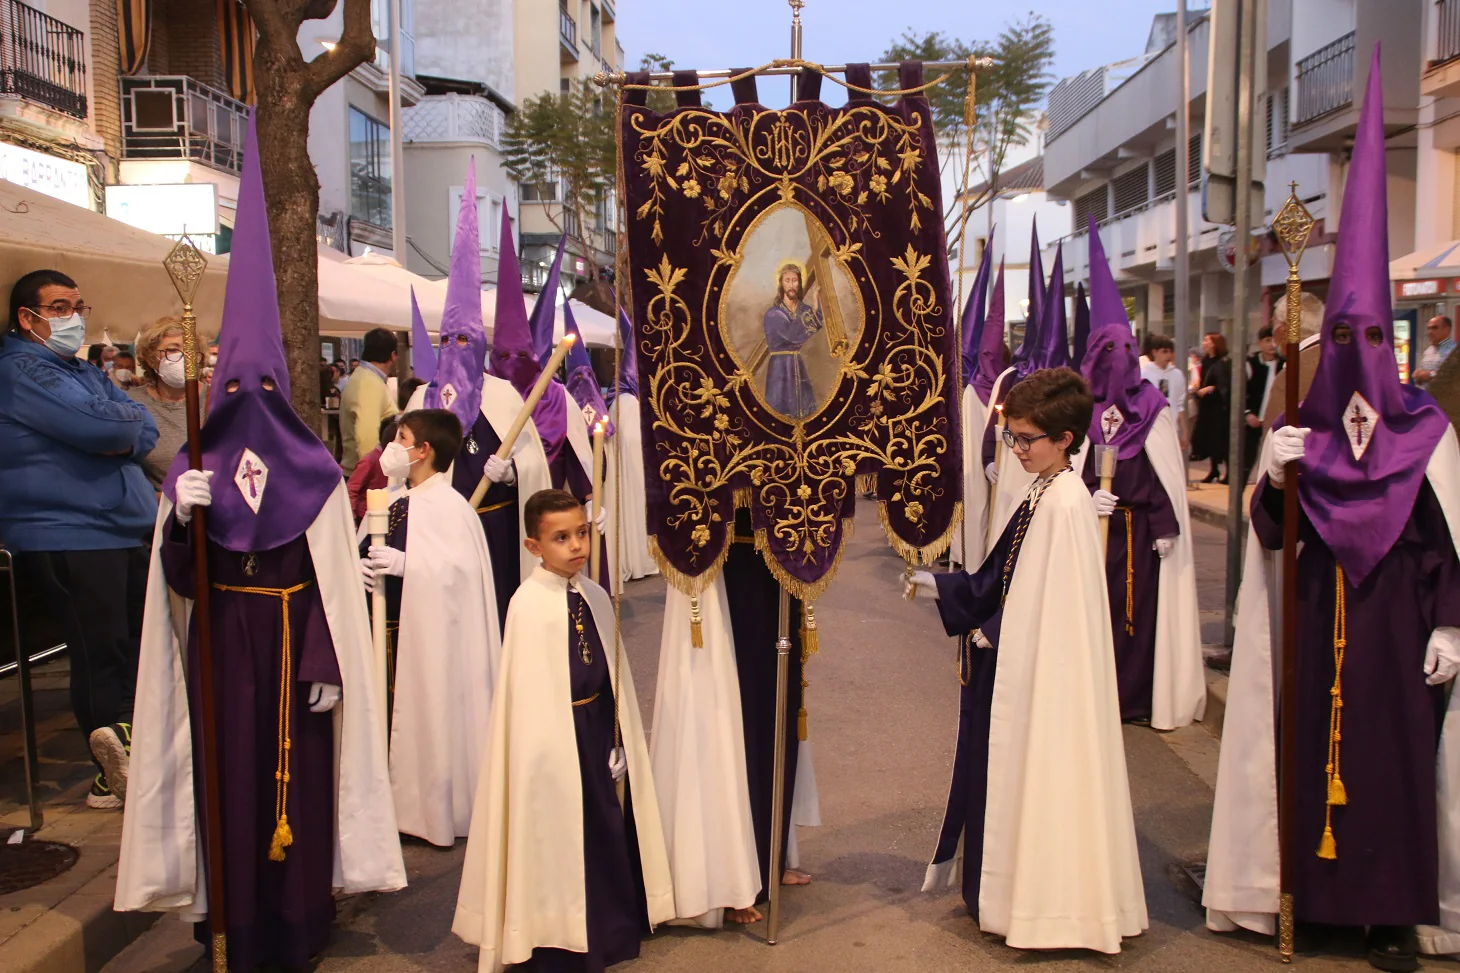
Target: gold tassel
810,641
283,838
1337,793
696,626
1327,847
801,724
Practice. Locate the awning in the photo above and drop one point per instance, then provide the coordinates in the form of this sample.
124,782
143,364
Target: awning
1436,262
118,267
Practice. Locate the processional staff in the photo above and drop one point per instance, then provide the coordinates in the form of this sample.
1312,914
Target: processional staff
185,265
1292,227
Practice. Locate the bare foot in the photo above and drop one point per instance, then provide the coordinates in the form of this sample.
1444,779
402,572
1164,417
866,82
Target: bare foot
744,916
793,877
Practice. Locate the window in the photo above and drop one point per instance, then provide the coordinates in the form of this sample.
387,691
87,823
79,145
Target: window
540,192
489,218
1166,172
1094,203
1131,189
369,169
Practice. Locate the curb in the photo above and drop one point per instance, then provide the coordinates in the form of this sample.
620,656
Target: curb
1216,711
80,935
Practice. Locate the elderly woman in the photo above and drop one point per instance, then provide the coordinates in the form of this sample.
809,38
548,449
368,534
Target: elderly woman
160,348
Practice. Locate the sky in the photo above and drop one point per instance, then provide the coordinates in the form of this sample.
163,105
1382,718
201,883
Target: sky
742,33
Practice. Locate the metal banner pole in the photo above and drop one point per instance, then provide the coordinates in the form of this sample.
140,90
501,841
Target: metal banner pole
783,655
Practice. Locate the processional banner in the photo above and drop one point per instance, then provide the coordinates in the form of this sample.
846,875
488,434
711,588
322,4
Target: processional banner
793,324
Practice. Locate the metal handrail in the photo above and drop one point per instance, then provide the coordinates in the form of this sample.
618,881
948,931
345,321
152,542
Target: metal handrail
1325,79
203,124
568,28
42,59
22,666
1447,31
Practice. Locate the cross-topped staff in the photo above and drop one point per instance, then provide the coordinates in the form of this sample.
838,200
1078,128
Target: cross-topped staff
185,265
1292,227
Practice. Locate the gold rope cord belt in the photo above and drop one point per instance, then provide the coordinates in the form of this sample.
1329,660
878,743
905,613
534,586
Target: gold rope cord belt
1337,793
1130,573
585,702
283,835
496,506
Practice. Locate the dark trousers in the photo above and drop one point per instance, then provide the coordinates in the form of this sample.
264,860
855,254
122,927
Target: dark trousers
95,598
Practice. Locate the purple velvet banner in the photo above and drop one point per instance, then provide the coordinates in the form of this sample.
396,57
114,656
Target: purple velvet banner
793,327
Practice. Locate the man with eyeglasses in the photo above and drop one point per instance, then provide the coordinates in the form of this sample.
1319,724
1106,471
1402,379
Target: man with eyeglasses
76,507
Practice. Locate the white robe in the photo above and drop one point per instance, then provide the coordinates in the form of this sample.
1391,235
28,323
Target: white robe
501,405
1060,868
447,652
975,483
522,885
1242,861
161,868
698,753
1178,685
629,547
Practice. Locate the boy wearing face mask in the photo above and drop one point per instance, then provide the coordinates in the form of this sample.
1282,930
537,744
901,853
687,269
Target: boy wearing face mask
75,506
442,599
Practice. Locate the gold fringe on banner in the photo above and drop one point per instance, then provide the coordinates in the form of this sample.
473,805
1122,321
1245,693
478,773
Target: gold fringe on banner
929,553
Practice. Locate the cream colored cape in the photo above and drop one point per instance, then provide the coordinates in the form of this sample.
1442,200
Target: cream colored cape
447,654
1060,868
628,550
1242,862
522,885
1178,685
698,751
501,405
975,483
161,867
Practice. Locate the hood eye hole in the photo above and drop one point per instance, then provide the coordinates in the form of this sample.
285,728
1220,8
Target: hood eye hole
462,340
267,382
232,385
1375,335
1343,334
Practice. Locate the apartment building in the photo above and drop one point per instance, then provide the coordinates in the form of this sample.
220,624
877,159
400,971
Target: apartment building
558,46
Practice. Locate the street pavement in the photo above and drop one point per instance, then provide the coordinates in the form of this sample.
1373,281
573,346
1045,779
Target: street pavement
882,700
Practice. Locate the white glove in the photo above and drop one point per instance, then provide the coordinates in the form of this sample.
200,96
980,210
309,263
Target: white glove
499,470
1287,447
919,582
981,640
1104,502
386,560
1164,546
1442,656
323,697
991,472
599,517
192,490
618,763
367,574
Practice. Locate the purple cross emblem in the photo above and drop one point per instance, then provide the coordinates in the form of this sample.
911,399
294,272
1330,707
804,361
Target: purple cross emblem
251,473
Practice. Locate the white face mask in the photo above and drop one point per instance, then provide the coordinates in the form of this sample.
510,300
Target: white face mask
67,334
174,373
395,461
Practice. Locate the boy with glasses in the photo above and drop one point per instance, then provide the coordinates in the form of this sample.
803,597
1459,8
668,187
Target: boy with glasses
1039,816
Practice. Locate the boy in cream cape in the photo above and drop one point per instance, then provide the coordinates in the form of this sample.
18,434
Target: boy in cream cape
559,869
1039,815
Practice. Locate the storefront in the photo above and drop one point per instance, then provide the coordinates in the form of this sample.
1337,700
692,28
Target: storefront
1415,302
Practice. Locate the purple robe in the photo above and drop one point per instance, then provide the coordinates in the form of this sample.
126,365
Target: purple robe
1143,513
787,384
498,511
1386,872
278,912
968,601
752,594
618,916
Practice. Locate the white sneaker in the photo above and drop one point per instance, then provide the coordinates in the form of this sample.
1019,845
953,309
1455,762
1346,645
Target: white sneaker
112,747
100,797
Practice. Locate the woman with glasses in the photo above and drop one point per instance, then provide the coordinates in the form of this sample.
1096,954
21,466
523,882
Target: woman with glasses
76,508
160,349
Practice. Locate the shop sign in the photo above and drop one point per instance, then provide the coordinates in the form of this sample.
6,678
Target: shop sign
60,178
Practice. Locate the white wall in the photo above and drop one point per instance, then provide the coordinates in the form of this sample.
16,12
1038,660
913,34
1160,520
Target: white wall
467,41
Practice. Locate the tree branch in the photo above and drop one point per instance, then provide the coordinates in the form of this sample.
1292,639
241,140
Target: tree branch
273,29
355,47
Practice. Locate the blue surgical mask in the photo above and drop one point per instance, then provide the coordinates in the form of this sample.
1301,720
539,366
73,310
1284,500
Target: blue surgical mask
67,335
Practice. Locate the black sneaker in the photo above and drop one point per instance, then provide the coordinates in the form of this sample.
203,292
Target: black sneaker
1393,948
112,748
100,797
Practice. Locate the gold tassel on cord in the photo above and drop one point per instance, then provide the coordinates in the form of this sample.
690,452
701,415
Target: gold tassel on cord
1337,793
283,838
696,625
810,642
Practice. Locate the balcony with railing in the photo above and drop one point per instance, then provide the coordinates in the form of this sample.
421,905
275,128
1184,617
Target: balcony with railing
1325,80
455,117
42,59
182,118
567,36
1447,32
1442,72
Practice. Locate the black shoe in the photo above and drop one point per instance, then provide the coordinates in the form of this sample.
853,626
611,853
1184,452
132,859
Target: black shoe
1393,948
112,747
1209,478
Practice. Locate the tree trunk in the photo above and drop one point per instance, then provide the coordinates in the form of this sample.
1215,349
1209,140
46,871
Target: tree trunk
292,189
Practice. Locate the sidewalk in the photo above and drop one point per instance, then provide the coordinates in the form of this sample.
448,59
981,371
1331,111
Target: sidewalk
1208,501
65,925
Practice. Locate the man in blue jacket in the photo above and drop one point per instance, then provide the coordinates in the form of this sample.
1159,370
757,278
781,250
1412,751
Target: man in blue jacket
76,507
